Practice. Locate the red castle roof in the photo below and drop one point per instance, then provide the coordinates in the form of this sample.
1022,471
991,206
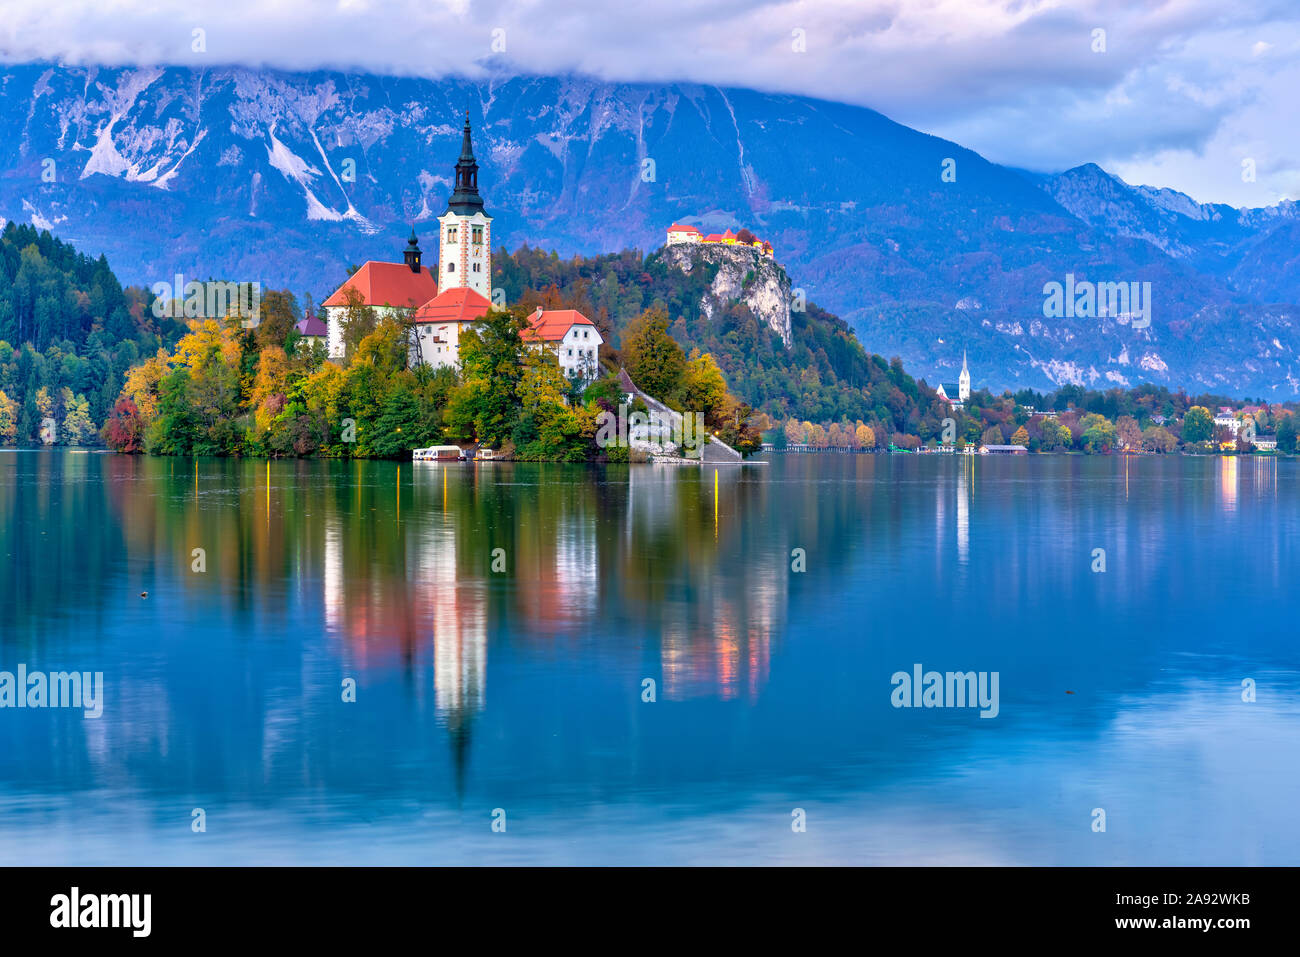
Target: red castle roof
679,228
387,284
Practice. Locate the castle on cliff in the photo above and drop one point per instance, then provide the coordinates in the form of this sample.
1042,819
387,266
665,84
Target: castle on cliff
679,233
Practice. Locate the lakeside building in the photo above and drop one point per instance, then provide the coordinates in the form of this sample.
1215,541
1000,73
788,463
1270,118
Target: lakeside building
1003,450
571,336
956,393
442,302
1227,419
680,233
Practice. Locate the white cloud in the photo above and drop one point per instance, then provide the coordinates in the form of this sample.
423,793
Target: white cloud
1183,91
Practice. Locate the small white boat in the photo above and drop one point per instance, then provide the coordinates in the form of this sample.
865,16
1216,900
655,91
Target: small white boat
438,453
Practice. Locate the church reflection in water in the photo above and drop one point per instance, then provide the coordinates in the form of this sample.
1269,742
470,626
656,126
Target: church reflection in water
606,568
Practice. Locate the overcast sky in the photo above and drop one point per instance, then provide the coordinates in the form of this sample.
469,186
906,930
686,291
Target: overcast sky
1182,94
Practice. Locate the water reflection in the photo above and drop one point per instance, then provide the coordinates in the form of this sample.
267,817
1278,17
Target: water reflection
772,683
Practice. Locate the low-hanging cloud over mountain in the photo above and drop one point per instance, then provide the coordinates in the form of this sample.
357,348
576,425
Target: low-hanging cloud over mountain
1174,94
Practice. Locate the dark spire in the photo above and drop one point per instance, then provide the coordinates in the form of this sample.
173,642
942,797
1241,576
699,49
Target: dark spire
466,201
412,253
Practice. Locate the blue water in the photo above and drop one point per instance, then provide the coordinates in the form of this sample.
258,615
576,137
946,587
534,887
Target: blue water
521,691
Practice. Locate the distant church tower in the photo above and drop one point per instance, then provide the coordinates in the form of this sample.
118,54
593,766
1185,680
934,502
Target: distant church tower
963,381
465,246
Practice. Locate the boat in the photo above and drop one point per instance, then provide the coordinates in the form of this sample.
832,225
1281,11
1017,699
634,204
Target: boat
438,453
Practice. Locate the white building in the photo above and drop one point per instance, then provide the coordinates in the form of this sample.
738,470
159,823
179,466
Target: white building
956,393
1227,419
387,288
573,338
441,321
678,233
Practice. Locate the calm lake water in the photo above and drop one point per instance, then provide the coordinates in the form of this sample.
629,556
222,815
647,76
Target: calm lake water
522,690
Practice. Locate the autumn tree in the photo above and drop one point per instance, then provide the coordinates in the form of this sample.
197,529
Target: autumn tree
278,314
652,357
1128,433
703,388
1198,425
124,430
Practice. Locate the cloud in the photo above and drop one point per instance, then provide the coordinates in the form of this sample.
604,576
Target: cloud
1182,90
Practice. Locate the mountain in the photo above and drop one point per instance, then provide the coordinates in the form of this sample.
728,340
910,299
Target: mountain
287,178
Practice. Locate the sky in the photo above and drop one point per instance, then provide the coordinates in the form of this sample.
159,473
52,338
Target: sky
1197,95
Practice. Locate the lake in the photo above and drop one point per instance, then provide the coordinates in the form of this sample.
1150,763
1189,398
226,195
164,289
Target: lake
501,625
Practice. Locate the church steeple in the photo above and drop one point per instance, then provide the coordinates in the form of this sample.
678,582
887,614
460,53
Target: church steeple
412,253
963,381
466,201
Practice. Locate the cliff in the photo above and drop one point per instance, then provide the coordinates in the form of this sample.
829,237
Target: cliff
743,275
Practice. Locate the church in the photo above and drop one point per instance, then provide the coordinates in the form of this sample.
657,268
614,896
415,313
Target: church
444,301
960,388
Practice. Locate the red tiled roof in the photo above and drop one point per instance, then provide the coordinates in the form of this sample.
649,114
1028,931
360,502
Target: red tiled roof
550,325
713,238
679,228
728,235
459,304
387,284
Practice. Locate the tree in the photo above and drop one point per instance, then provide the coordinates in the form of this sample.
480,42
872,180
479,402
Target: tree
652,357
1155,438
703,388
992,436
8,419
357,322
78,427
1127,432
794,432
1098,434
124,430
278,314
1286,433
487,403
1198,425
397,428
1021,437
864,437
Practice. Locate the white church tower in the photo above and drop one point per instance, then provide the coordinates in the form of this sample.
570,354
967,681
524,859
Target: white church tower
465,245
963,381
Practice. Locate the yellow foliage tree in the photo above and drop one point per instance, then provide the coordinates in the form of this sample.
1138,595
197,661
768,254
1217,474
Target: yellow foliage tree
141,385
8,418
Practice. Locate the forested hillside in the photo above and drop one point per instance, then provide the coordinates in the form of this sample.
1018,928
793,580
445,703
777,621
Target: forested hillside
68,334
825,375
